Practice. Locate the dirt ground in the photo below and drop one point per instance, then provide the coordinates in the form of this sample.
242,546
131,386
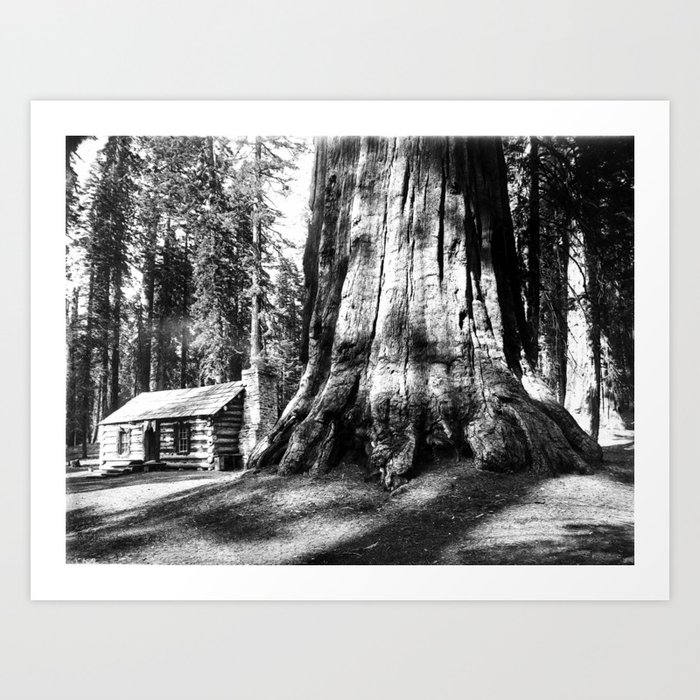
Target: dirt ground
93,451
450,514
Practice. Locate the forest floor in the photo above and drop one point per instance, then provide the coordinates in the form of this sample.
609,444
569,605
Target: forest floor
450,514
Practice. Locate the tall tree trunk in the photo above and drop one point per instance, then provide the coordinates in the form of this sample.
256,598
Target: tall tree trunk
85,370
553,320
255,345
73,365
562,302
589,160
145,341
417,327
594,326
184,310
103,402
240,340
310,263
99,411
533,242
166,305
116,340
160,368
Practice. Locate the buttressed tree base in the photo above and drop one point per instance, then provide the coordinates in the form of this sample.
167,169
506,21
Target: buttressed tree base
415,329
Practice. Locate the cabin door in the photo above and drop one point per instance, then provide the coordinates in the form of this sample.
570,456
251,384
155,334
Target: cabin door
150,445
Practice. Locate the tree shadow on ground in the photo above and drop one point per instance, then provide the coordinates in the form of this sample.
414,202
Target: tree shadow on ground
446,516
117,530
235,518
87,481
618,461
579,544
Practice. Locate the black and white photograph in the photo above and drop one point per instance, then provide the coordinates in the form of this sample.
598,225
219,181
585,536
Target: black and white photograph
350,350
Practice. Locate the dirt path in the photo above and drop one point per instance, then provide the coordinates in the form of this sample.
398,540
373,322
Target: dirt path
451,514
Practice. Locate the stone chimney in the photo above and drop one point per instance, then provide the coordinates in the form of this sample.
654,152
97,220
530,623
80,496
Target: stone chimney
260,408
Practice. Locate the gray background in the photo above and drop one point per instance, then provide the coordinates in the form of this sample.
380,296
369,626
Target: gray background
363,49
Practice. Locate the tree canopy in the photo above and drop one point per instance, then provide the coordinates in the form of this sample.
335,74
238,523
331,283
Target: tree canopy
171,242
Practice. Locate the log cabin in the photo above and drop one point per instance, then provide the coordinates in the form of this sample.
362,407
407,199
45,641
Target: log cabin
208,427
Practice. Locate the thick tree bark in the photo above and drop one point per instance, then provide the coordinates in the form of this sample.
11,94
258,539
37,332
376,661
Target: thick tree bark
255,344
562,316
553,320
586,252
594,332
416,327
533,245
316,205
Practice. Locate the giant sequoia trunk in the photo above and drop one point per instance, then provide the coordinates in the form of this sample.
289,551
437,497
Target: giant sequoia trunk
417,334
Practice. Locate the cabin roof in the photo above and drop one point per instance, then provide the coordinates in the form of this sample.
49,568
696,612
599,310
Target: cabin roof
176,403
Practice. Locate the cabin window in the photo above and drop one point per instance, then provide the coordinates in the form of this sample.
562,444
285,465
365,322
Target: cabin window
124,441
182,437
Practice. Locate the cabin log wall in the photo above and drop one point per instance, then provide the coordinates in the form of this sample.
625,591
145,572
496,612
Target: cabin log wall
225,430
199,454
109,438
211,438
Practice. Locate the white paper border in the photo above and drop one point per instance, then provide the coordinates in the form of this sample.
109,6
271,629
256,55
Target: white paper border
53,579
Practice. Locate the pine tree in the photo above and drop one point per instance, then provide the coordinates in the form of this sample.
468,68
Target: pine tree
222,267
271,163
104,255
284,344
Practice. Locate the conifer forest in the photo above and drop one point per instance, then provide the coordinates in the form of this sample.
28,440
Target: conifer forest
447,318
173,250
